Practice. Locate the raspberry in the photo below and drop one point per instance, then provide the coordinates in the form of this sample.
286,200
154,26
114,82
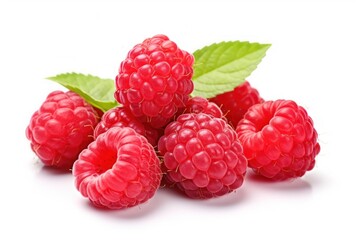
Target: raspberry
236,102
121,117
202,156
118,170
155,80
61,129
201,105
279,139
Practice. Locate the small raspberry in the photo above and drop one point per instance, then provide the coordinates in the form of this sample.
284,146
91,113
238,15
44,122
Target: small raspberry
202,156
201,105
155,80
122,117
61,129
279,139
235,103
118,170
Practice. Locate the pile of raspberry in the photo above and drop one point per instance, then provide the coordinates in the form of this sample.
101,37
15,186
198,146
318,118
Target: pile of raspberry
160,135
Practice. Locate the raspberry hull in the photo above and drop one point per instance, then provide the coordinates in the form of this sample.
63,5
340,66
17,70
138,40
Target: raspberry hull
235,103
202,156
118,170
279,139
61,129
154,81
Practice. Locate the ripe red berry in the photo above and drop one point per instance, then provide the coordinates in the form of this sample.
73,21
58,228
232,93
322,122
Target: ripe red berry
279,139
235,103
201,105
202,156
155,80
122,117
118,170
61,128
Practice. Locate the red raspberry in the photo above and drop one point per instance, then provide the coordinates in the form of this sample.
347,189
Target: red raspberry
235,103
201,105
121,117
155,80
279,139
61,129
202,156
118,170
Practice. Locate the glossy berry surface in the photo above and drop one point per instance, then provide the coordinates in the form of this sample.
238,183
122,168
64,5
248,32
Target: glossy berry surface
61,128
118,170
235,104
122,117
202,156
201,105
279,139
154,80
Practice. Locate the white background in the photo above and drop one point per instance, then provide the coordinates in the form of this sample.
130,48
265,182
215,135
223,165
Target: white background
314,60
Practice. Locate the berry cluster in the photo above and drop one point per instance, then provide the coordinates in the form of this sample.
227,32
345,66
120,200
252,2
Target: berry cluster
201,147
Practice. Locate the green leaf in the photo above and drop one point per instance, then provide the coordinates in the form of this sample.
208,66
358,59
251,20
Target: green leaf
223,66
96,91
